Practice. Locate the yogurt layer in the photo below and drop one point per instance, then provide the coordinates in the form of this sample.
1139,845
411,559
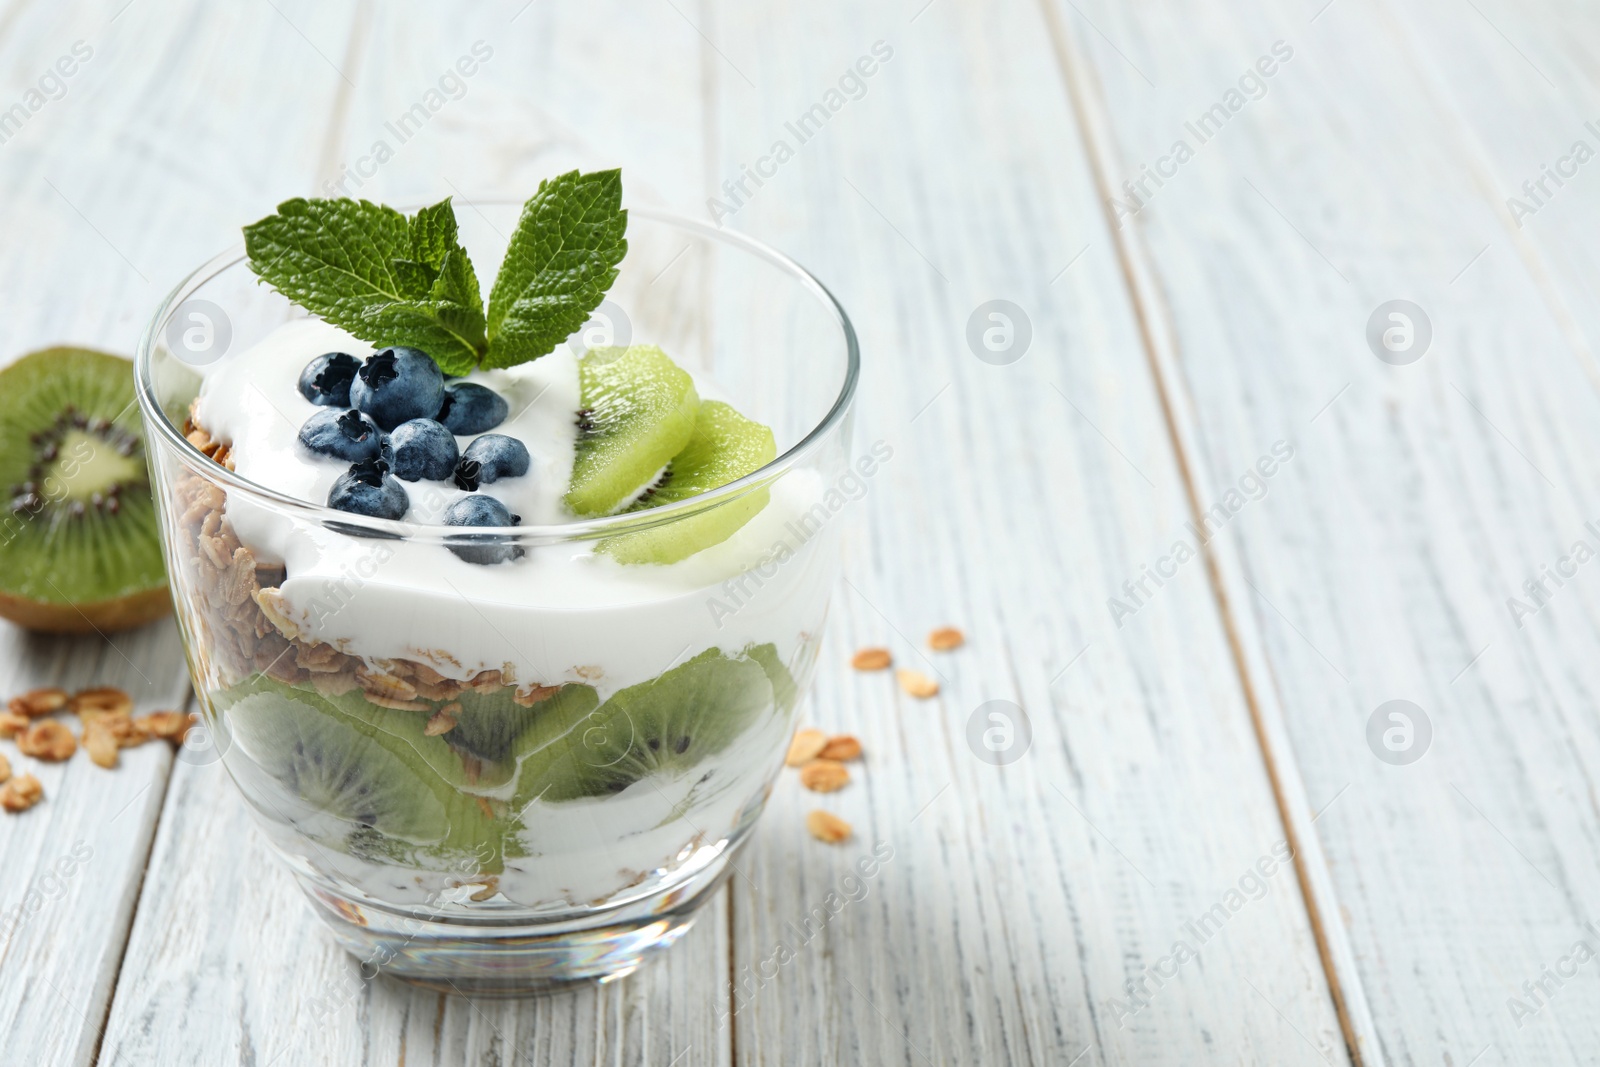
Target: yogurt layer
562,612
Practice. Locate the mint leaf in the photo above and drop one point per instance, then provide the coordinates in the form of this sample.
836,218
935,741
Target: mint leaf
559,264
387,279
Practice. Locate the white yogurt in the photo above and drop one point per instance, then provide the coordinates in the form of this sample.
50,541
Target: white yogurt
562,613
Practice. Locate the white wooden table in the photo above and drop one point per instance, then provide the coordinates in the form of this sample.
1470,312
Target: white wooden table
1179,331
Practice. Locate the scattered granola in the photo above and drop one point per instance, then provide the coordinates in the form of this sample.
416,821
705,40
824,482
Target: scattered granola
167,725
21,793
842,747
824,776
104,700
100,742
916,683
442,721
5,767
945,638
48,740
12,724
827,827
871,659
805,747
38,702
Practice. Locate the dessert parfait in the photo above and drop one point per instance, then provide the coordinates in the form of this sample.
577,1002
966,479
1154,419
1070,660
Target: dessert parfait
499,633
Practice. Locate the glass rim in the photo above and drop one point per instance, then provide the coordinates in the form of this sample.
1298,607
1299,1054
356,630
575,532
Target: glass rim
156,421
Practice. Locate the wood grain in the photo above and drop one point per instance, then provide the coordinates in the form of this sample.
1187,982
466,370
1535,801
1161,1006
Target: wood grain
1421,497
786,876
1020,898
111,194
1006,907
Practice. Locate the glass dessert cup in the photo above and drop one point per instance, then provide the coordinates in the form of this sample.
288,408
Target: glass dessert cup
494,779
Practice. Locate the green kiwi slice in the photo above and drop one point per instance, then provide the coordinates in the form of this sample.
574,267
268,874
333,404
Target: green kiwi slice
79,548
492,732
724,447
665,726
638,411
350,785
784,691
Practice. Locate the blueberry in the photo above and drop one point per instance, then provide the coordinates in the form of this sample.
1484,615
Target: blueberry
471,408
368,489
484,549
490,458
396,385
421,448
347,435
326,379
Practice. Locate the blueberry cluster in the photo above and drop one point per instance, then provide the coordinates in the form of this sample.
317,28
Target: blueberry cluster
395,418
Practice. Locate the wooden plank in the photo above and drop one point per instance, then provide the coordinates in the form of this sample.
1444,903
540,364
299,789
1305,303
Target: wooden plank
275,987
106,222
1019,899
1421,496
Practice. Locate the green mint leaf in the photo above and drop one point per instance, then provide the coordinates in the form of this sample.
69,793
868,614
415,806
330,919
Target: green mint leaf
433,233
387,279
559,264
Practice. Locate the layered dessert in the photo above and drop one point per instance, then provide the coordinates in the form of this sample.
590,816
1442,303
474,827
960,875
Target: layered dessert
427,690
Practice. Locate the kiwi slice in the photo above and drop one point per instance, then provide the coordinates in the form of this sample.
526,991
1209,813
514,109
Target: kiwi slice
638,411
724,447
784,691
664,726
351,786
492,732
79,548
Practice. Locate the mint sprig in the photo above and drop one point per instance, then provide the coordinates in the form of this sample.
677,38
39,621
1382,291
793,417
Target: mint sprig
559,264
393,280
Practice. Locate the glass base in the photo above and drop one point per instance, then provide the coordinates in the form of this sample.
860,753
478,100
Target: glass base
511,957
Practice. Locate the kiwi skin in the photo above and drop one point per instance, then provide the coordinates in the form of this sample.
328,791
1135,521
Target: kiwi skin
87,558
101,616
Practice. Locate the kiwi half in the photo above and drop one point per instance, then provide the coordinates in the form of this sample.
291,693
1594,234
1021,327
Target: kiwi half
724,447
79,547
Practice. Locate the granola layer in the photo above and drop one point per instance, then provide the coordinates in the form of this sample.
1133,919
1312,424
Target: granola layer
245,624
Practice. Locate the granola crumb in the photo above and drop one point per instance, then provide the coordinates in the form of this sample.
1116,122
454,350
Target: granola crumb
12,724
945,638
491,886
21,793
442,721
841,747
824,776
5,767
100,742
825,826
393,703
871,659
534,694
167,725
916,683
119,725
38,702
100,701
805,747
49,740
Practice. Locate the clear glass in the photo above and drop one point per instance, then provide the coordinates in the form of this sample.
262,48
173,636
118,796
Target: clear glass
482,790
